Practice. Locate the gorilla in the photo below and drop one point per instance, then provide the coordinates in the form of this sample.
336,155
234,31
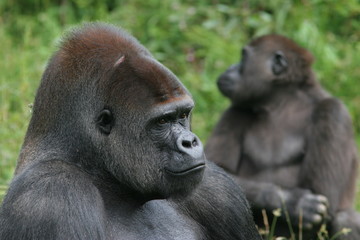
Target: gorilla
109,153
287,141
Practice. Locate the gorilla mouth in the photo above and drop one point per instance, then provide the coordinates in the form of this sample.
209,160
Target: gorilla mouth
192,169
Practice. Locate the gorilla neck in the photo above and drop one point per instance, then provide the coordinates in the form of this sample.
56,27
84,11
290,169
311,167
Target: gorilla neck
63,146
275,98
118,193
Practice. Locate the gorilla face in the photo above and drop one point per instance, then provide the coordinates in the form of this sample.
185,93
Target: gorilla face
145,131
181,151
259,72
252,78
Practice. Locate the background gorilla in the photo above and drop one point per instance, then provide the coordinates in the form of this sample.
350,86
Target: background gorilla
284,137
109,153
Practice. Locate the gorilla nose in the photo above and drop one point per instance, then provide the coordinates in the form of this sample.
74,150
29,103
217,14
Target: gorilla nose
191,145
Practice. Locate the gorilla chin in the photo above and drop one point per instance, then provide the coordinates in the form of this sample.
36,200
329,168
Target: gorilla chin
183,183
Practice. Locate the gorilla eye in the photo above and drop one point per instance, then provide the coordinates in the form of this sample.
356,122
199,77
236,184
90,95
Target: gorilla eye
105,121
183,115
279,64
162,121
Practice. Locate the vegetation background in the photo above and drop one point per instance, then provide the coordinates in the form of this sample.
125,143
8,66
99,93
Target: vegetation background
196,39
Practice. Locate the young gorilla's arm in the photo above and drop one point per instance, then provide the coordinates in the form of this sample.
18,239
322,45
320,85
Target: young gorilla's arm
220,206
330,164
224,145
52,200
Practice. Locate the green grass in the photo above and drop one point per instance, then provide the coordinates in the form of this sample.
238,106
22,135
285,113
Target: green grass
197,40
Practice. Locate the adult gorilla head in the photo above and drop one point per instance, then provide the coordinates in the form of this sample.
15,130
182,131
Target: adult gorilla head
106,104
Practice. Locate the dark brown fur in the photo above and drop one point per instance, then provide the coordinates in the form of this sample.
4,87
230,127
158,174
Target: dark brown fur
109,153
284,138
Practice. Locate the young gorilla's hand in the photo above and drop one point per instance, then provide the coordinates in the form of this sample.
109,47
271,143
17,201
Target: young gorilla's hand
311,208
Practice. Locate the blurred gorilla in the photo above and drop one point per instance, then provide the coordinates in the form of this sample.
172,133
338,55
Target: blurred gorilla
109,153
286,139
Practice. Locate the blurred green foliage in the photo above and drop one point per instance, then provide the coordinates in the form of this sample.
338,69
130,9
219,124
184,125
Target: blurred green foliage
196,39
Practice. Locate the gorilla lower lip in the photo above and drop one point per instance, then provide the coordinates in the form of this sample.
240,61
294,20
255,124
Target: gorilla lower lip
187,171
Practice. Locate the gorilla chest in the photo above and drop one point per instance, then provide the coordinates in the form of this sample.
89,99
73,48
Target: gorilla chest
275,142
156,220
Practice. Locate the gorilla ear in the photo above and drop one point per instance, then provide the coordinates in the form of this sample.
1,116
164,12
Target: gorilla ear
105,121
279,63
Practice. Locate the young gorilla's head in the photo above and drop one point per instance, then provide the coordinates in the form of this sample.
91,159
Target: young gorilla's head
268,63
105,103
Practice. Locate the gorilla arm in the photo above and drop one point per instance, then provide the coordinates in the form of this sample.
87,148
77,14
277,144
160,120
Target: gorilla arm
52,200
220,206
330,164
224,146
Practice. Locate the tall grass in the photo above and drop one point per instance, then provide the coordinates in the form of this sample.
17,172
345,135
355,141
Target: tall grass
195,39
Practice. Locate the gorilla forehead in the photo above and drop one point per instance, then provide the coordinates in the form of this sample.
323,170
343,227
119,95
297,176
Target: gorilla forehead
160,81
275,42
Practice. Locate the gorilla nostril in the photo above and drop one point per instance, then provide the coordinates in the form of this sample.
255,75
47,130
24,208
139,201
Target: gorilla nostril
186,144
190,145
